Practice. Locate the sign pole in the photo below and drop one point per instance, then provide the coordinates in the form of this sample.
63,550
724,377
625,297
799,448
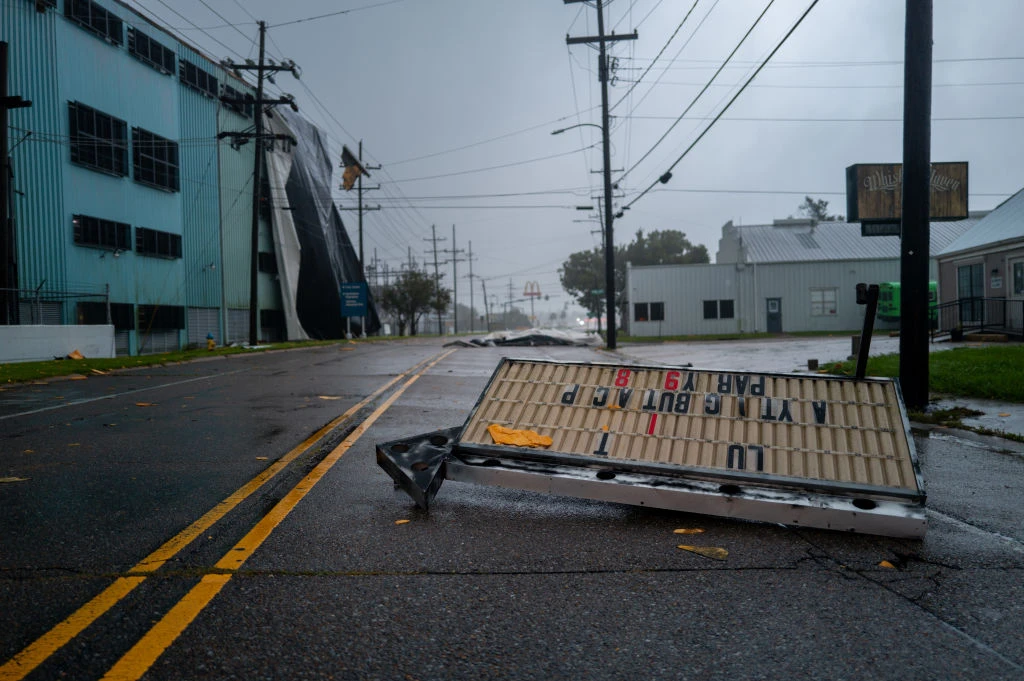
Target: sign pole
916,238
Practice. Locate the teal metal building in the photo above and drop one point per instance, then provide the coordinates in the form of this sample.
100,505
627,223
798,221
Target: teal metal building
126,206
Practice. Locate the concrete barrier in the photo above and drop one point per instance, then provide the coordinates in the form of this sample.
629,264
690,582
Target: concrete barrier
32,343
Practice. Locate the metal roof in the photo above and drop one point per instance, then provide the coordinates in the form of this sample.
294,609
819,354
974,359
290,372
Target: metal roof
1005,223
799,241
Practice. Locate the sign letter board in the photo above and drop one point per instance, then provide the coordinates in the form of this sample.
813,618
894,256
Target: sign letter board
799,449
874,192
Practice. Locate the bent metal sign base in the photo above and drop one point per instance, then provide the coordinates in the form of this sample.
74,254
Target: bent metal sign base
828,452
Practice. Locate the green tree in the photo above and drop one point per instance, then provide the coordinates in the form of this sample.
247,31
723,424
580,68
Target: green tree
817,210
583,274
414,294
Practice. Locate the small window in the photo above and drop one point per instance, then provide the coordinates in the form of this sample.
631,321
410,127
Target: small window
98,141
1018,278
95,19
657,312
235,101
90,231
149,51
96,313
267,262
823,302
155,160
196,78
641,312
725,309
710,309
157,244
161,317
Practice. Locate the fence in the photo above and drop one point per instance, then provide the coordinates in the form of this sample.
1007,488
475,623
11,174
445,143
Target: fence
977,315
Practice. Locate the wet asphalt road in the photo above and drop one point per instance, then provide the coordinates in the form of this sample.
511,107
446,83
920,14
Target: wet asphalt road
492,583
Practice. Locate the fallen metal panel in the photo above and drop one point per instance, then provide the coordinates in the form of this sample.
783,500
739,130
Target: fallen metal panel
811,450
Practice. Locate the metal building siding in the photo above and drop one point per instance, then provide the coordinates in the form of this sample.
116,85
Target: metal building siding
683,289
236,166
37,162
199,187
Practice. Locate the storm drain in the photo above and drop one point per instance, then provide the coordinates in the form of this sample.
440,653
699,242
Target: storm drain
829,452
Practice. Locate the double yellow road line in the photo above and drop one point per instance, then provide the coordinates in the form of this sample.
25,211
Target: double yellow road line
143,654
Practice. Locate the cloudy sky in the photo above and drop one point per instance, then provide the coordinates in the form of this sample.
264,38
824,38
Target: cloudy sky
456,99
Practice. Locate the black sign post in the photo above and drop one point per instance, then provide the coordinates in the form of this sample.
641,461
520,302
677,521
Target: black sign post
916,238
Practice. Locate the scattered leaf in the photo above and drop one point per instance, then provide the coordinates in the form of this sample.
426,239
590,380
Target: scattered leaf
75,354
614,406
109,425
713,552
403,521
101,373
77,377
604,428
13,479
329,397
30,451
346,349
1005,414
887,564
144,404
261,458
518,438
74,444
689,530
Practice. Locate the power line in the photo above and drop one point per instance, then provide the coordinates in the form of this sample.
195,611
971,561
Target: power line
702,90
668,173
497,167
334,14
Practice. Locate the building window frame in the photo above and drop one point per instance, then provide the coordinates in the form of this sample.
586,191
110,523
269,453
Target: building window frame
197,78
160,317
93,232
155,243
99,141
719,309
824,301
155,160
150,52
95,19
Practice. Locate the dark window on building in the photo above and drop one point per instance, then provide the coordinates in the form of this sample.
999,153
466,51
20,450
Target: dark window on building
233,99
267,262
96,313
98,141
641,312
725,309
710,309
161,317
95,19
149,51
155,160
197,78
657,312
271,319
90,231
156,243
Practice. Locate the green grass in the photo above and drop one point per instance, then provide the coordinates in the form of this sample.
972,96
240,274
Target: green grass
995,372
20,372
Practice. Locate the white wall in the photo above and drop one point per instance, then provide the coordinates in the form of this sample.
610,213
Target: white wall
36,343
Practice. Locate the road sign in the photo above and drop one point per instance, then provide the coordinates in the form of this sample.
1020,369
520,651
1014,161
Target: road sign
353,299
830,452
531,289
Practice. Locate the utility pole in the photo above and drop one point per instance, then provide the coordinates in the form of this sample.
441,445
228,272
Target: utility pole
487,309
359,206
509,303
437,275
472,312
257,181
609,242
8,237
916,237
454,260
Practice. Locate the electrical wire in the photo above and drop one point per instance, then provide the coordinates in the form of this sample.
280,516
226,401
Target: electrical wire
334,14
726,107
704,89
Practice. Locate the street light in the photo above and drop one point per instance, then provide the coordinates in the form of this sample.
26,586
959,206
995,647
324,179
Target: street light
609,242
578,125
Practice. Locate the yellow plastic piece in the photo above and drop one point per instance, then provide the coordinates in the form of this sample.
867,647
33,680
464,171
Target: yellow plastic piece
517,438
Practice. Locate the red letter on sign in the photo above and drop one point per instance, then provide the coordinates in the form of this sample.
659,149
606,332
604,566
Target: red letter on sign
622,379
672,380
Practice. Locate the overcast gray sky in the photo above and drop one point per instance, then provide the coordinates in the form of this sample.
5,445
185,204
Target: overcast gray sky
457,99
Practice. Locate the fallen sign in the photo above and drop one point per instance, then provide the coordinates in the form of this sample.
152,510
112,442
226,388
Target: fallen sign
829,452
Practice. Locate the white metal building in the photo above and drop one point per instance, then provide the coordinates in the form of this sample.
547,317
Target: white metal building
792,275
